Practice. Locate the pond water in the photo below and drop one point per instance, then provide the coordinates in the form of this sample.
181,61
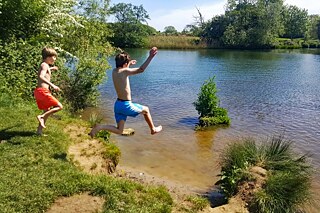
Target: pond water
267,93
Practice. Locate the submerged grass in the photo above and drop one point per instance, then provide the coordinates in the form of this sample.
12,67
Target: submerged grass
35,170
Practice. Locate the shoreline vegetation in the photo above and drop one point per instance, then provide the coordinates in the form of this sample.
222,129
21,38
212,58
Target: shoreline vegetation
193,42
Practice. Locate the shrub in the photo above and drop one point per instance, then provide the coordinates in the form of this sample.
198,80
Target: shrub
19,63
207,106
287,182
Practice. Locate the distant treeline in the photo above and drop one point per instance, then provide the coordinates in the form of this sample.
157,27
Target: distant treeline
251,24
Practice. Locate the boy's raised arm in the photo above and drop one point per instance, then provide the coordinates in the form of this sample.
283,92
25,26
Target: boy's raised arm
152,53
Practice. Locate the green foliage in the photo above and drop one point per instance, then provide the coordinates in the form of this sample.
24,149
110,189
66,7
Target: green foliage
170,30
283,192
129,35
19,64
20,19
295,21
111,152
103,134
287,185
80,83
207,105
82,43
35,171
128,29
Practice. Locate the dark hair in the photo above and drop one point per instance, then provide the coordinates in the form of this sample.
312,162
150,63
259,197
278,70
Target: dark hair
48,52
122,58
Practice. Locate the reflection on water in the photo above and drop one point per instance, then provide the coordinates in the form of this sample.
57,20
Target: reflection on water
266,93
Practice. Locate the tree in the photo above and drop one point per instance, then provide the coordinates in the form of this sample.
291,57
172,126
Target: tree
170,30
252,23
129,30
20,19
128,13
314,27
208,107
295,21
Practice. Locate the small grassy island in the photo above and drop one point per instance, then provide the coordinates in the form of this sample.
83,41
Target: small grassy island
208,108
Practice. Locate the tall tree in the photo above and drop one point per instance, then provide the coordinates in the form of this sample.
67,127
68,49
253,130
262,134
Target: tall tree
295,21
314,27
252,23
170,30
129,30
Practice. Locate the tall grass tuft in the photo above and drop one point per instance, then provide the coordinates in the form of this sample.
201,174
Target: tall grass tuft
94,119
288,176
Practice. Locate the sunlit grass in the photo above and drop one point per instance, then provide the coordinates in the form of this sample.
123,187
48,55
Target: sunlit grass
175,42
288,181
35,170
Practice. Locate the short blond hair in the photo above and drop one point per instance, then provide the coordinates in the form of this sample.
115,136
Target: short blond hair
48,52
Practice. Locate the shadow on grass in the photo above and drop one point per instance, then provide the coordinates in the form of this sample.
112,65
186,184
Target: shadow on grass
6,134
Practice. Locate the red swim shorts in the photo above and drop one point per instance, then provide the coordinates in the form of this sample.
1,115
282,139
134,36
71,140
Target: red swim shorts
44,98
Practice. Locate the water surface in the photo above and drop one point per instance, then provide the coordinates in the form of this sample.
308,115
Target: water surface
265,92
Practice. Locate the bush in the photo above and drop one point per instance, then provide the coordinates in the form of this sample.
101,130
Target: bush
208,108
19,63
288,176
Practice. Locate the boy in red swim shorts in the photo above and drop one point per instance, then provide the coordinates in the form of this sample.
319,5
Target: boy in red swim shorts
42,94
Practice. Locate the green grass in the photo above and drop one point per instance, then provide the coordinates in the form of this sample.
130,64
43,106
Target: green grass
288,182
175,42
35,170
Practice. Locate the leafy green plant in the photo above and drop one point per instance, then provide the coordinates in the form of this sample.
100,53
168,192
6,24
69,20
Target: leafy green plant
207,106
19,63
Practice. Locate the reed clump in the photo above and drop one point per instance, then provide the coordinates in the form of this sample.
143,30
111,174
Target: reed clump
176,42
269,177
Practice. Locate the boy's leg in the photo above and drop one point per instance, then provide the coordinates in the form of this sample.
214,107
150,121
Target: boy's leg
110,128
148,118
43,118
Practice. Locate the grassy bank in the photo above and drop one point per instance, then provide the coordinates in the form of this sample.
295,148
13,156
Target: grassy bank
175,42
286,43
190,42
35,170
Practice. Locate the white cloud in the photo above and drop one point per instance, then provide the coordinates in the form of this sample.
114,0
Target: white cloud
179,18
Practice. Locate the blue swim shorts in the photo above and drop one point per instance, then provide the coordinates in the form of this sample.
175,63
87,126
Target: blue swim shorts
122,109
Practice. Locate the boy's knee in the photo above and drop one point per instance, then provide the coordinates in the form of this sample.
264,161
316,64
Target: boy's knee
60,106
145,110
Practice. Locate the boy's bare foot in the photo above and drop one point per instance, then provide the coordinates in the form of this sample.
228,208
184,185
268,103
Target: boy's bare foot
156,130
41,121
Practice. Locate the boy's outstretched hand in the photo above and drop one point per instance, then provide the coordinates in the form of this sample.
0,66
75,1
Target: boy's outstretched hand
153,51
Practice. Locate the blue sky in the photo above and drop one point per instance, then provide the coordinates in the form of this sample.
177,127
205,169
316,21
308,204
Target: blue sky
179,13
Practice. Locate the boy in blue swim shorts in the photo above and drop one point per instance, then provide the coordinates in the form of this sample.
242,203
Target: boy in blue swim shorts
123,106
